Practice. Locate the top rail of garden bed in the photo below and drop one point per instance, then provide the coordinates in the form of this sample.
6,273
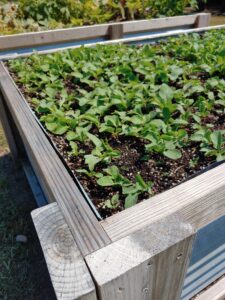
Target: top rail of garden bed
101,32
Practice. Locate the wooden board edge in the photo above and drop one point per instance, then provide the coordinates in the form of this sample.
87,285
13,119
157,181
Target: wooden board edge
130,40
150,263
68,272
199,200
33,39
86,229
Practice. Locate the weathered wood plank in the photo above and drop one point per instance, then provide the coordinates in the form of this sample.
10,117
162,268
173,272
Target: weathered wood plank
8,131
215,292
202,20
54,179
161,23
148,264
131,40
69,274
91,32
200,201
116,31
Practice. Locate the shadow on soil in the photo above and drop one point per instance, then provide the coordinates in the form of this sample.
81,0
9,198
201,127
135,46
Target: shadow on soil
23,272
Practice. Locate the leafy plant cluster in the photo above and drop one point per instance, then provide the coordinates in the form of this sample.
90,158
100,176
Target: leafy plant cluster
169,96
34,15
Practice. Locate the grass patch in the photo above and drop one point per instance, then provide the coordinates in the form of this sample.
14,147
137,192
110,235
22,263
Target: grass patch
23,273
3,142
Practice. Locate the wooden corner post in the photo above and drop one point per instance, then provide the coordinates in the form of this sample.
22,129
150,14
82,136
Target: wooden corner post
69,274
116,31
148,264
202,20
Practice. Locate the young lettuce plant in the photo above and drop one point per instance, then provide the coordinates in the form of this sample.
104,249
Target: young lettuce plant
129,189
102,152
112,203
168,143
211,143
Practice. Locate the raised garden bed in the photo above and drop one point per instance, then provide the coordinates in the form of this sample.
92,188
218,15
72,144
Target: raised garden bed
24,43
131,121
183,87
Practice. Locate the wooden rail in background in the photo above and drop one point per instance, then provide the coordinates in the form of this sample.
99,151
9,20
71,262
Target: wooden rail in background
140,253
104,31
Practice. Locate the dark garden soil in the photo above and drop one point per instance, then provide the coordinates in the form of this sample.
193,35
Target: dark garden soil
163,172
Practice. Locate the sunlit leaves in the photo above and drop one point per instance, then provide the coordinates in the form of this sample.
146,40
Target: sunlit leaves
170,96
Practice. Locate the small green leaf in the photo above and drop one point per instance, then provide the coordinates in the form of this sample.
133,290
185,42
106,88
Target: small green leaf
165,92
216,138
51,126
61,129
71,135
141,182
131,200
166,114
95,140
91,161
173,154
105,181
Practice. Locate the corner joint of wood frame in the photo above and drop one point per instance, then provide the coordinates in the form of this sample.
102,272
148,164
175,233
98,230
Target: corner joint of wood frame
138,263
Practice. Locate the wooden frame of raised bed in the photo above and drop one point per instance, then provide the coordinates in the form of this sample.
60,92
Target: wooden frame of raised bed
41,41
140,253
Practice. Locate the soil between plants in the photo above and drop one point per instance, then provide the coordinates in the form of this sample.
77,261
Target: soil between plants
165,173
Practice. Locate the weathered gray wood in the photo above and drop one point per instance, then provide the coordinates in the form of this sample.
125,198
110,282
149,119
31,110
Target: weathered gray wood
54,179
136,40
8,131
200,201
215,292
91,32
203,20
115,31
148,264
69,274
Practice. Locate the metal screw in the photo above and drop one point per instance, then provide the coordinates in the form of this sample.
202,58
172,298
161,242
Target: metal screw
146,290
179,256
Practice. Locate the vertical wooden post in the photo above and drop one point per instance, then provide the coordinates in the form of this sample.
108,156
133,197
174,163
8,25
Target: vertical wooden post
69,274
8,130
148,264
202,20
115,31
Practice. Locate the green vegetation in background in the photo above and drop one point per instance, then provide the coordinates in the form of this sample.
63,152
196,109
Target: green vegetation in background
161,94
34,15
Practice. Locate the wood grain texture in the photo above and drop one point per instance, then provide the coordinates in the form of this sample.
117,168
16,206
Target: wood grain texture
91,32
8,131
203,20
131,40
115,31
69,274
148,264
215,292
54,179
200,201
